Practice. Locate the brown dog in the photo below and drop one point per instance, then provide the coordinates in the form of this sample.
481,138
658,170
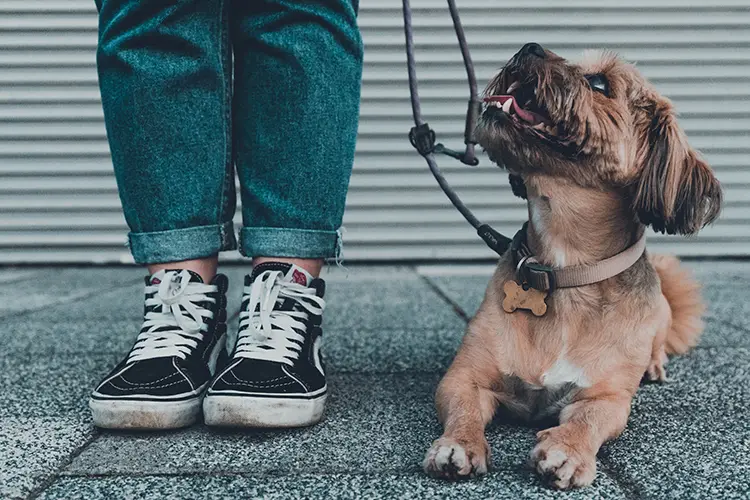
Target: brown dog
598,154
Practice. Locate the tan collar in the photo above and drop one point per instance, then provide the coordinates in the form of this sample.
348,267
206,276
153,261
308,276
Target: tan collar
531,272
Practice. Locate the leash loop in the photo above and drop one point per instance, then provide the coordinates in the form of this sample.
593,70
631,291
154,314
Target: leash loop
423,138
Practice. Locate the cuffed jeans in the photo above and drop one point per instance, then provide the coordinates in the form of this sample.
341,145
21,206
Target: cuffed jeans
180,114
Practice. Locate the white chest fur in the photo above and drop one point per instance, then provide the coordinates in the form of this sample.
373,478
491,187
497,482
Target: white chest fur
564,372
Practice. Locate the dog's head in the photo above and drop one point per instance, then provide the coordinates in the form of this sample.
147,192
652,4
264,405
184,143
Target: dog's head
602,125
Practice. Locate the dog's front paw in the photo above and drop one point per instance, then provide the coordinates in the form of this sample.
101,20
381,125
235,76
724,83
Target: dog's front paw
564,465
449,459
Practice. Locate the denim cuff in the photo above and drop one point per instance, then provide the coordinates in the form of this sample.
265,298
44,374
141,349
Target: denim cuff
182,244
284,242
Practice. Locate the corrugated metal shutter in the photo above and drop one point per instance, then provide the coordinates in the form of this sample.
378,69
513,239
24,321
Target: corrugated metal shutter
58,200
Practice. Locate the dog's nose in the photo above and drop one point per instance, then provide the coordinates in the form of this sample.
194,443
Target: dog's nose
533,49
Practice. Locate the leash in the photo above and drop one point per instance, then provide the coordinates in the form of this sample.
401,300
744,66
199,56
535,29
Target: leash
423,138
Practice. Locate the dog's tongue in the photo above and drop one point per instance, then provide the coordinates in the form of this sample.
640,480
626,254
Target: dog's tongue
527,116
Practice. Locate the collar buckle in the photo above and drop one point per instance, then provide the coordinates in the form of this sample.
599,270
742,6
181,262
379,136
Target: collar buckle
530,272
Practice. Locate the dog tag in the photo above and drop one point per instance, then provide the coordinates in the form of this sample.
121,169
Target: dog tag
519,297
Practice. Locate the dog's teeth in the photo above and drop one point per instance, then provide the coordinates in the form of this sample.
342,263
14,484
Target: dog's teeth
513,86
507,105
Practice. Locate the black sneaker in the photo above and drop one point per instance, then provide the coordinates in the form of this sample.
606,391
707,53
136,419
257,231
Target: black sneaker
160,383
276,376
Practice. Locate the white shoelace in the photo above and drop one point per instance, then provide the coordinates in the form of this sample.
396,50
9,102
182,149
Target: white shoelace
270,334
175,328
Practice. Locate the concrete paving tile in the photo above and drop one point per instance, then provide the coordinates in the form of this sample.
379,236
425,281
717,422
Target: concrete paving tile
467,292
26,336
689,438
372,424
729,303
402,304
515,484
702,377
11,275
32,449
357,273
44,415
390,350
41,386
122,303
686,439
54,286
724,287
712,270
720,333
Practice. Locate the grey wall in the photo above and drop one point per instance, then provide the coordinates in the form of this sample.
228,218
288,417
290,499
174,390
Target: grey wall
58,201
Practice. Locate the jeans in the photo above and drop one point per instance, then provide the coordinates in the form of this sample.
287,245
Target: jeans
181,112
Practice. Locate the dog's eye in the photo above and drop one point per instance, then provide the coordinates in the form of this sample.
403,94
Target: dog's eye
598,84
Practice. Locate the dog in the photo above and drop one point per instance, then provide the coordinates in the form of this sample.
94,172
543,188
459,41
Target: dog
598,154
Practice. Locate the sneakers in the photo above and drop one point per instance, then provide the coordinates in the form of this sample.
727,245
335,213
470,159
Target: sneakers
276,376
160,383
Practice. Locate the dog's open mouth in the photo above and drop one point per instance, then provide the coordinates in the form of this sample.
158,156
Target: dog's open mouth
520,103
514,99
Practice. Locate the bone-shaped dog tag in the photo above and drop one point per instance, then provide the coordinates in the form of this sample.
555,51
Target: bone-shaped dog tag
518,297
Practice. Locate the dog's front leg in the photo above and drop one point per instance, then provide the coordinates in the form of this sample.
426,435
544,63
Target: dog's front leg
566,454
465,405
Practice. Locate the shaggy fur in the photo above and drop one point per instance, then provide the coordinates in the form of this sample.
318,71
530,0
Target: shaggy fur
603,158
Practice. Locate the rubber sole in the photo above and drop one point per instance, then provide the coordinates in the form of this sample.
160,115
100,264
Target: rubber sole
154,414
144,415
262,412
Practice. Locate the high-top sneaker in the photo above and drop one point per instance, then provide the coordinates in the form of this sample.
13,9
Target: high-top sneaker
162,380
276,376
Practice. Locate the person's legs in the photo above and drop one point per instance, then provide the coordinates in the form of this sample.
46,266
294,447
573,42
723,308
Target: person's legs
165,79
298,68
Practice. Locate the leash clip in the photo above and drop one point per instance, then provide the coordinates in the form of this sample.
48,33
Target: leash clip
493,239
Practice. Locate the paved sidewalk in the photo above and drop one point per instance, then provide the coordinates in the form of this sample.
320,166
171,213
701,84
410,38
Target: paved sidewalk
390,333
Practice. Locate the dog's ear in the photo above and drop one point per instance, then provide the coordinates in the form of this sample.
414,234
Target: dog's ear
677,192
517,185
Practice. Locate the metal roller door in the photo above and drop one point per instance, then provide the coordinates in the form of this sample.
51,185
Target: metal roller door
58,201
